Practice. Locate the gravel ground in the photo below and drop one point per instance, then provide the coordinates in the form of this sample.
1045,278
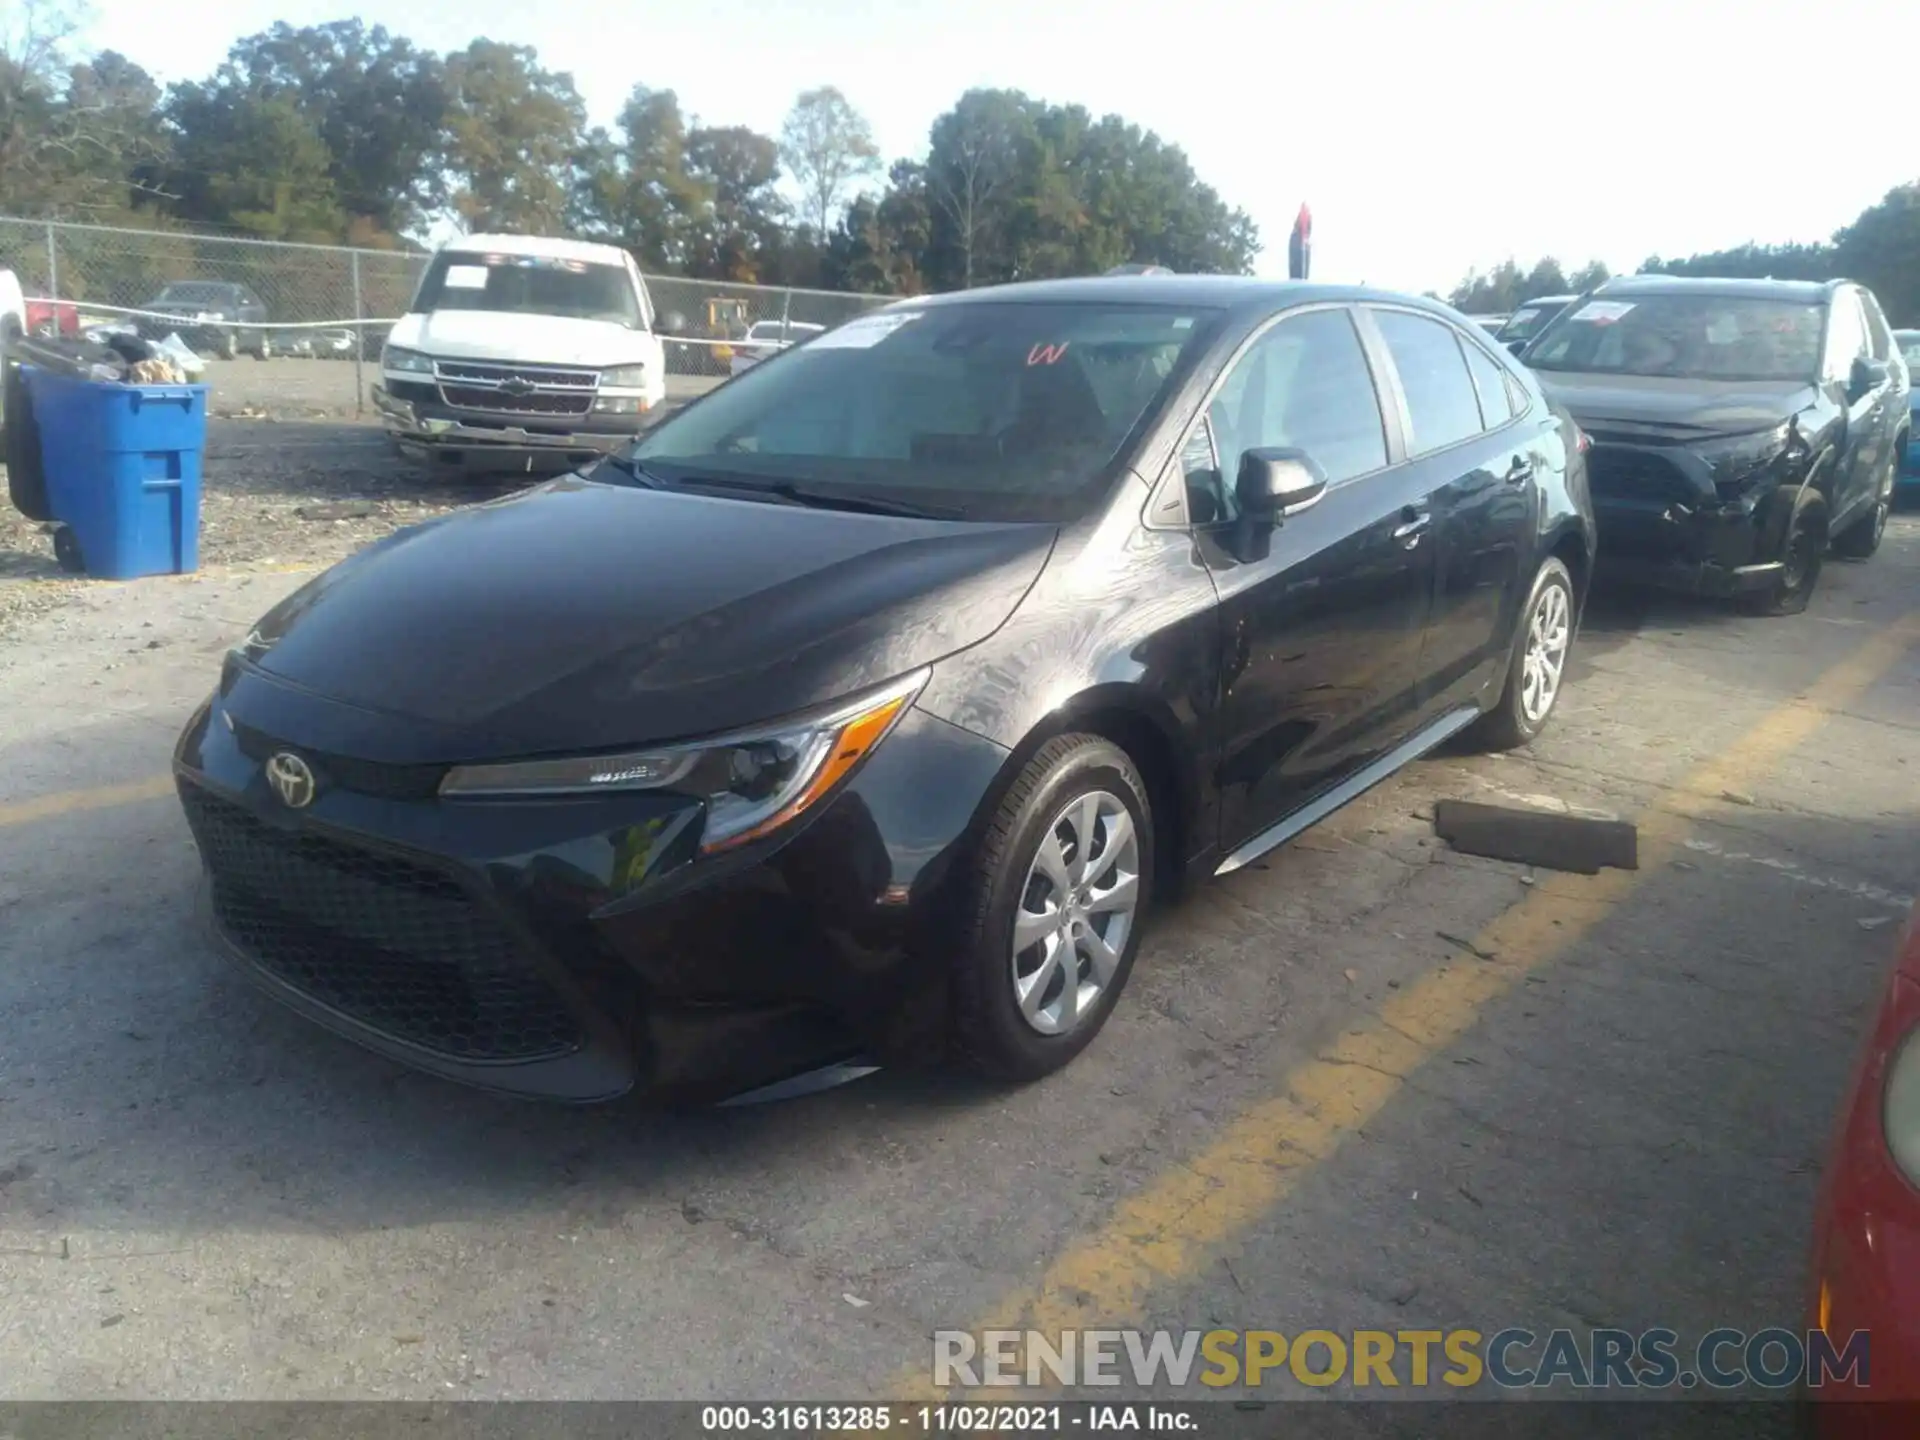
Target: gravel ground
292,479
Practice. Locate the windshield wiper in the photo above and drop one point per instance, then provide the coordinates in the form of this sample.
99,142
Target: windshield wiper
786,492
633,471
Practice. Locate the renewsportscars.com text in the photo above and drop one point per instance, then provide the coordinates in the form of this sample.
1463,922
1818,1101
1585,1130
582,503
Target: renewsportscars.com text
1511,1358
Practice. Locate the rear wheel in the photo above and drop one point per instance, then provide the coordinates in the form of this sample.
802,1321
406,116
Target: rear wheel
264,350
1059,892
1536,665
226,346
1860,539
1801,554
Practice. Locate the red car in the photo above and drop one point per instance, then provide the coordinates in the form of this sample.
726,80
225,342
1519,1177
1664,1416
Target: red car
1865,1273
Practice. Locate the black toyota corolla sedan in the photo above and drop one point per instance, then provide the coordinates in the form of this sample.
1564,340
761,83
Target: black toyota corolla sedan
858,711
1739,428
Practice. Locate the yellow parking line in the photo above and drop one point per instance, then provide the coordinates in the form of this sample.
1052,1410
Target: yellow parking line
1167,1231
74,802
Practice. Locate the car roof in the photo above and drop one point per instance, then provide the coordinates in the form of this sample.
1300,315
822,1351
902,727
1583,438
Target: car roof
540,247
1908,334
1549,300
1206,292
1807,292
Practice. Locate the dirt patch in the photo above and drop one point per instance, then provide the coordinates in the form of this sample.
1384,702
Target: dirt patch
274,494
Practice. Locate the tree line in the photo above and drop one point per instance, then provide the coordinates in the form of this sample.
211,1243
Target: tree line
1880,249
347,133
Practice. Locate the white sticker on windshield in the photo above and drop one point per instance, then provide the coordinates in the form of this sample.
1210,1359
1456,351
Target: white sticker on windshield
859,334
466,277
1603,312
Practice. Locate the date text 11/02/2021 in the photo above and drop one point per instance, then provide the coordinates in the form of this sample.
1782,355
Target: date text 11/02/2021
944,1419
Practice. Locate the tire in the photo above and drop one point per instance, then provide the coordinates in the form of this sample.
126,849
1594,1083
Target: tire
227,347
1517,716
1071,778
66,549
26,477
1860,539
264,350
1802,550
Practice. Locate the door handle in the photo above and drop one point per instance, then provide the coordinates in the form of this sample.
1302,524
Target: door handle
1520,471
1409,533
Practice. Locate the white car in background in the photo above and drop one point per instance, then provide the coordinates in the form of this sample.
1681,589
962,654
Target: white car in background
769,337
520,353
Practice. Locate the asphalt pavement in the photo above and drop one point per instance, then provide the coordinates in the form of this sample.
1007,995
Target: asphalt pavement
1366,1083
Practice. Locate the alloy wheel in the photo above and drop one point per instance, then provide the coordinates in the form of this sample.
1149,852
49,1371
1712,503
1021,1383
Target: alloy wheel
1076,911
1549,632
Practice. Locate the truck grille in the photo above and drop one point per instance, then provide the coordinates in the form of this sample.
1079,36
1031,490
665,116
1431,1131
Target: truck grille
403,949
512,389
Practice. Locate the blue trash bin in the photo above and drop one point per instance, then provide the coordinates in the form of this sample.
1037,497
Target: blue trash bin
123,470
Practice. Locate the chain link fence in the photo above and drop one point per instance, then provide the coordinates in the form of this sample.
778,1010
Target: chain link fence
336,303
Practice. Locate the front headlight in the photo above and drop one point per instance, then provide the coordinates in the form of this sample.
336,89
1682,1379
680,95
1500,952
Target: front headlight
392,357
624,377
753,781
1737,462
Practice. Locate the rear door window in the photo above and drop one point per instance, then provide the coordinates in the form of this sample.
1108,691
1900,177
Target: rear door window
1490,384
1441,399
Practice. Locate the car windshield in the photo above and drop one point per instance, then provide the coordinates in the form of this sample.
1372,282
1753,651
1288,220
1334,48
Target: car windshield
1909,343
191,293
1694,337
1529,321
528,285
990,411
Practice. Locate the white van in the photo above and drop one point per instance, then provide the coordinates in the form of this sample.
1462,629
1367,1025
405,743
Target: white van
522,354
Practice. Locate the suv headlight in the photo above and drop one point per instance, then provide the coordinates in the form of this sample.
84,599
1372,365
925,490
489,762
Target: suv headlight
1735,463
624,377
392,357
753,781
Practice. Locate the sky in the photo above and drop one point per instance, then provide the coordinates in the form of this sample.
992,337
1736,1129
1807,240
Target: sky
1427,138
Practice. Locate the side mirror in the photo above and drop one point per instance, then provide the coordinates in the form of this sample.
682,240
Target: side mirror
674,323
1868,375
1277,482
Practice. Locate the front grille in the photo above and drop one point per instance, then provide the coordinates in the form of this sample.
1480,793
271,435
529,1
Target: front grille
363,777
1632,474
399,947
540,402
532,374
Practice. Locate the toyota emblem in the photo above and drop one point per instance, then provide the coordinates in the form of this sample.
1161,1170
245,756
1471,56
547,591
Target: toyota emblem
291,780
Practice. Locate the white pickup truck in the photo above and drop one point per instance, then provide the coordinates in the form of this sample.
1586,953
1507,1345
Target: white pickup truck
522,354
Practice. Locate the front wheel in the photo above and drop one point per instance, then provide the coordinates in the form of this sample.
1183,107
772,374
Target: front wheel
1060,890
1537,663
1801,554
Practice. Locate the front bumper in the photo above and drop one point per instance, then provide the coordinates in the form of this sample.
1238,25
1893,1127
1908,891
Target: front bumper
577,948
1658,526
429,430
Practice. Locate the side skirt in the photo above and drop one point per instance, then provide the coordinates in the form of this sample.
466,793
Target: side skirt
1316,810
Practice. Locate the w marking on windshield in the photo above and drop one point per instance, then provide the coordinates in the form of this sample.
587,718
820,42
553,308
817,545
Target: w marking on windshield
1047,354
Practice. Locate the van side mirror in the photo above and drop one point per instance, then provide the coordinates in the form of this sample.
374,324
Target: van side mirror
1276,482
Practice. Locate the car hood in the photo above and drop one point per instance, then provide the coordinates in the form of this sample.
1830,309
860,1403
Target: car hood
1677,409
584,616
530,339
